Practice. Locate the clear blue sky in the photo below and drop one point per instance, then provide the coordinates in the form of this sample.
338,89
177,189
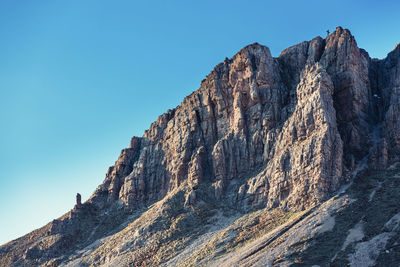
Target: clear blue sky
79,78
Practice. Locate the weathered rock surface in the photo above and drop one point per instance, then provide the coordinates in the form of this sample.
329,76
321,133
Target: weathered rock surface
261,132
306,162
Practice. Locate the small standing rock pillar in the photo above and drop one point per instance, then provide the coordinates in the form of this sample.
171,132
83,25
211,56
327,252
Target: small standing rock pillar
78,200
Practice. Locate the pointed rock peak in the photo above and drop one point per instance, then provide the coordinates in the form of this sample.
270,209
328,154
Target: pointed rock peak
340,46
296,47
309,50
252,55
317,39
253,45
251,51
339,34
340,31
255,48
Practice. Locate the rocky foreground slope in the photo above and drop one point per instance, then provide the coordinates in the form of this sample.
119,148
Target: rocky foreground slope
272,161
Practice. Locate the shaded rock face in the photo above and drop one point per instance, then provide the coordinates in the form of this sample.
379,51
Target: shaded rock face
348,68
389,95
260,132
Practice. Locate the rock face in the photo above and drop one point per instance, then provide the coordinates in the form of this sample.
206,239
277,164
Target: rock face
260,132
388,91
253,112
306,160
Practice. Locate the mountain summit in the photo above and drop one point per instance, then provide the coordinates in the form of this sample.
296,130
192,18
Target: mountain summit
272,161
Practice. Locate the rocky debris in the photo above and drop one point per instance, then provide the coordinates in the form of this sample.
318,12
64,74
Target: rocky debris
355,234
367,252
261,132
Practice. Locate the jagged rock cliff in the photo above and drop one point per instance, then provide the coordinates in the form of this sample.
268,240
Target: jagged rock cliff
260,133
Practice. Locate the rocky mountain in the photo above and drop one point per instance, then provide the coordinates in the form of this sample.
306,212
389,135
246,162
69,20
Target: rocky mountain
280,161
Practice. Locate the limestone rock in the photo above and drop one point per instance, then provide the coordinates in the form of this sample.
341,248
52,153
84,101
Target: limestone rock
348,68
390,87
306,163
303,118
260,132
